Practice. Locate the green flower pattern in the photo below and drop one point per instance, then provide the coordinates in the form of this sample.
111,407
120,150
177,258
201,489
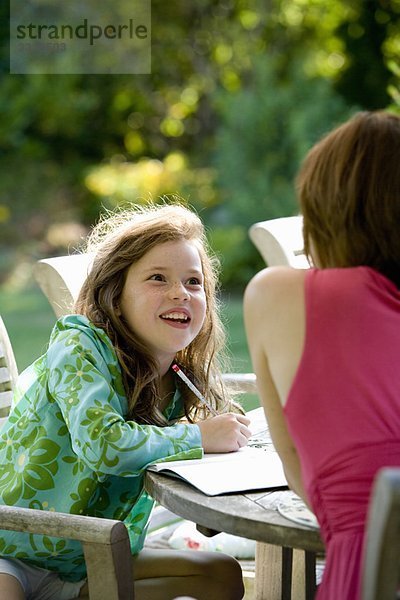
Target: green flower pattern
68,447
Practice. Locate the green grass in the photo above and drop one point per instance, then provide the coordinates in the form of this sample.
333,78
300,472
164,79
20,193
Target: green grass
237,345
29,320
232,313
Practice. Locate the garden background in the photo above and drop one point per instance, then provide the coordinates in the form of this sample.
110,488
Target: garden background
239,91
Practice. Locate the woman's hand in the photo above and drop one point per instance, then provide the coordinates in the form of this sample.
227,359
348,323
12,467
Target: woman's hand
224,433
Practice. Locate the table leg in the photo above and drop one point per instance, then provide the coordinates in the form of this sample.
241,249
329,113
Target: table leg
303,575
311,574
273,572
283,573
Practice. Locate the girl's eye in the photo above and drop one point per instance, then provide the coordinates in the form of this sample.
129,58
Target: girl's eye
194,281
157,277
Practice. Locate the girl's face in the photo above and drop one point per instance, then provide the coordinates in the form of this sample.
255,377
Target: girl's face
163,299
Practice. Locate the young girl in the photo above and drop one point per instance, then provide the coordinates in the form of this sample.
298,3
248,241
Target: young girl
104,402
325,342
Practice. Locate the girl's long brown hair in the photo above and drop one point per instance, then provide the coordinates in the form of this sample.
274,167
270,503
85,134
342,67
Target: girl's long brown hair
349,193
120,239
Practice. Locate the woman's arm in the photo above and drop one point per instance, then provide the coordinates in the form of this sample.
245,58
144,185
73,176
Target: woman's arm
274,339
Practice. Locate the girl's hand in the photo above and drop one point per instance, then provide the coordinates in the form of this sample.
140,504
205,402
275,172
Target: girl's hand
224,433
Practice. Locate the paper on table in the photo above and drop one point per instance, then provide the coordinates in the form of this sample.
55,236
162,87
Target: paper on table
258,424
293,508
251,468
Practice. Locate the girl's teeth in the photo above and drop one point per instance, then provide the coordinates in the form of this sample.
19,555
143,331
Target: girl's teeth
176,316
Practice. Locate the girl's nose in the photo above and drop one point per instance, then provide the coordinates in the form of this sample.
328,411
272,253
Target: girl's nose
178,291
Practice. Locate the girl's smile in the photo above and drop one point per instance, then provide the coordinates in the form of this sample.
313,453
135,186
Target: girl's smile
163,299
178,317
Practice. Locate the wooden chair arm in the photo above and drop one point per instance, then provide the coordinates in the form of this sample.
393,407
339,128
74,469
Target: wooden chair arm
105,545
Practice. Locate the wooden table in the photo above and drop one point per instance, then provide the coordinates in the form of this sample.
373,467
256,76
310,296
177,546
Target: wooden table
285,551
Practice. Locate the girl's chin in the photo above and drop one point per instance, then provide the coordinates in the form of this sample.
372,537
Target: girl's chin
167,356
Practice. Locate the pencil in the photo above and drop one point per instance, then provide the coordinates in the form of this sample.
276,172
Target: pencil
193,388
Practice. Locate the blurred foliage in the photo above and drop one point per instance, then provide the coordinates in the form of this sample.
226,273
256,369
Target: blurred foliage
120,182
239,91
372,29
265,130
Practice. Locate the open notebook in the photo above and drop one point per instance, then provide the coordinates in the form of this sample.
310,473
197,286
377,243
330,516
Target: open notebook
254,467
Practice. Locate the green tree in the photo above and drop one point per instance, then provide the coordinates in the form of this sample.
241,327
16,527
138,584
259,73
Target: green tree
203,116
265,131
371,36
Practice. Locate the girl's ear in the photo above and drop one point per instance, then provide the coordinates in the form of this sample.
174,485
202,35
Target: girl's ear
117,310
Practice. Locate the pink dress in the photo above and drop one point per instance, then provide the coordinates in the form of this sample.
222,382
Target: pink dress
343,410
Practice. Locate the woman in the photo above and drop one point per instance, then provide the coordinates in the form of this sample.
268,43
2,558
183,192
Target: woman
325,342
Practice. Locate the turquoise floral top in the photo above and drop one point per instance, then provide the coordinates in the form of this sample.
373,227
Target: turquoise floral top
68,447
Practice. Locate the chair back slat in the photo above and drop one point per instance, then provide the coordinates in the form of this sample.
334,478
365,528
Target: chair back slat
8,372
5,377
6,400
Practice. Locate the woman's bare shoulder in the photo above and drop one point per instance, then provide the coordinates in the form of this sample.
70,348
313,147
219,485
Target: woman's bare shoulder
275,284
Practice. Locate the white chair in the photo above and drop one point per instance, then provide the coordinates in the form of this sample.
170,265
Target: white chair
61,279
381,568
8,373
105,542
280,241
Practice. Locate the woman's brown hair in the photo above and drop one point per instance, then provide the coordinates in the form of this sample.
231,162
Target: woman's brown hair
120,239
349,193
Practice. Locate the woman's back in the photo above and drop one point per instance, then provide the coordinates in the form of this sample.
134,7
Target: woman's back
343,409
